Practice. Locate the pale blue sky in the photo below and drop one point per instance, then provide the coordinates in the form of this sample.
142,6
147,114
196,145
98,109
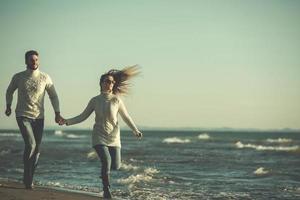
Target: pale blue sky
204,63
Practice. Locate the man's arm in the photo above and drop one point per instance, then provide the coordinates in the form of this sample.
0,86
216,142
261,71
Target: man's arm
54,100
55,104
9,94
8,110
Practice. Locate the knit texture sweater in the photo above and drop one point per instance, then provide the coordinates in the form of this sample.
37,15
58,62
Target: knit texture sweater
32,85
106,129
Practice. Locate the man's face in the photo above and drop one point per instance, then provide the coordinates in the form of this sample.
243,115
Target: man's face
32,62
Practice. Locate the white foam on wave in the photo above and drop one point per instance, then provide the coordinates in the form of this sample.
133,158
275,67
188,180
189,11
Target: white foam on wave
279,140
92,155
55,184
4,152
128,167
10,134
73,136
18,170
232,195
151,170
175,140
58,133
261,171
135,179
68,135
83,189
240,145
203,136
146,176
135,160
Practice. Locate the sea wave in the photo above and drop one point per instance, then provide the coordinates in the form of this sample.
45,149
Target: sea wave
203,136
151,170
135,179
146,176
73,136
240,145
58,132
175,140
10,135
232,195
68,135
92,155
55,184
69,187
129,167
14,170
4,152
279,140
261,171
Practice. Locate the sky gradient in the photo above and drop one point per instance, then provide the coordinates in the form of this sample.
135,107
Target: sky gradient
204,63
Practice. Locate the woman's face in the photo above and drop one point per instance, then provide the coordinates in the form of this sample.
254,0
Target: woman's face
108,84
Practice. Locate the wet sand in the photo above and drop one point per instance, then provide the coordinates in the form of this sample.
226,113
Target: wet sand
10,190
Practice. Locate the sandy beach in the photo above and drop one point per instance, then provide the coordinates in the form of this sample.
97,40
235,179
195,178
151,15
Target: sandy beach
15,191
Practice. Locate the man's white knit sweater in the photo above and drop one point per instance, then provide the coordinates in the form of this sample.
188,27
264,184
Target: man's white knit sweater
106,129
31,85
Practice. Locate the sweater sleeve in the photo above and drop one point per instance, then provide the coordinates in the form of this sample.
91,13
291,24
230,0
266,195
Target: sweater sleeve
126,117
52,94
13,85
84,115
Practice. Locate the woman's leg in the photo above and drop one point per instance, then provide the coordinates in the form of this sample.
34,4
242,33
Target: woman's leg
105,159
115,154
103,154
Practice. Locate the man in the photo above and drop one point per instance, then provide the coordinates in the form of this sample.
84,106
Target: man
32,85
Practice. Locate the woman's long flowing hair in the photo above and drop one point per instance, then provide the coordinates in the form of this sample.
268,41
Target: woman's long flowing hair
121,78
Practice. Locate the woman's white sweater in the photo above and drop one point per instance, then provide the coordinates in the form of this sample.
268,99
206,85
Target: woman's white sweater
106,129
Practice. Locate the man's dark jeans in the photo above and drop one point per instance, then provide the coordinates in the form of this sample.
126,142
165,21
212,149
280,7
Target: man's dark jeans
32,132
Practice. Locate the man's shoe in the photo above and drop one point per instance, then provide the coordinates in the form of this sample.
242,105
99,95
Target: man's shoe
29,187
106,193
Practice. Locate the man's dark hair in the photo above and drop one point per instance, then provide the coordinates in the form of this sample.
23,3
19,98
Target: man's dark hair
30,53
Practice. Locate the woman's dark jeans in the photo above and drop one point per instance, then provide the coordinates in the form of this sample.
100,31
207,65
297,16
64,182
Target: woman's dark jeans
110,158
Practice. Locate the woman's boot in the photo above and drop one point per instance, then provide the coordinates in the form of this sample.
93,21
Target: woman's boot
106,187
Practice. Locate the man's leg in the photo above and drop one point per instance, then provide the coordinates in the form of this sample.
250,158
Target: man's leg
30,144
38,127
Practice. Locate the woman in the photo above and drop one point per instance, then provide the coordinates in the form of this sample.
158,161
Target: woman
106,131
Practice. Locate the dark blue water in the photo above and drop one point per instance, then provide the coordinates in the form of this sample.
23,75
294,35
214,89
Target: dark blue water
168,164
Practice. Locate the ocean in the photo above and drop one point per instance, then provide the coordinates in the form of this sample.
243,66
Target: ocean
167,164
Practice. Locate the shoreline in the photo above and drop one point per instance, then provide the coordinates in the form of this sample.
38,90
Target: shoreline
15,190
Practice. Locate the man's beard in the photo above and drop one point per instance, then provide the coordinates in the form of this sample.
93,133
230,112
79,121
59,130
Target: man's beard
35,67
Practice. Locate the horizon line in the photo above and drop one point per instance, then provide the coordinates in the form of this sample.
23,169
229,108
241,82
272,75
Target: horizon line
148,128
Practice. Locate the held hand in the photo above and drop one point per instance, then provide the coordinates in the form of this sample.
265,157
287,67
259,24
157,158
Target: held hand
59,119
8,112
62,122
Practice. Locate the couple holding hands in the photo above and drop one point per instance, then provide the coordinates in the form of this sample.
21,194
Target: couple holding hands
32,84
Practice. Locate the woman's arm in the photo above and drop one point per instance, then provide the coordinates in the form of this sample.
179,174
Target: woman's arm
127,119
84,115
